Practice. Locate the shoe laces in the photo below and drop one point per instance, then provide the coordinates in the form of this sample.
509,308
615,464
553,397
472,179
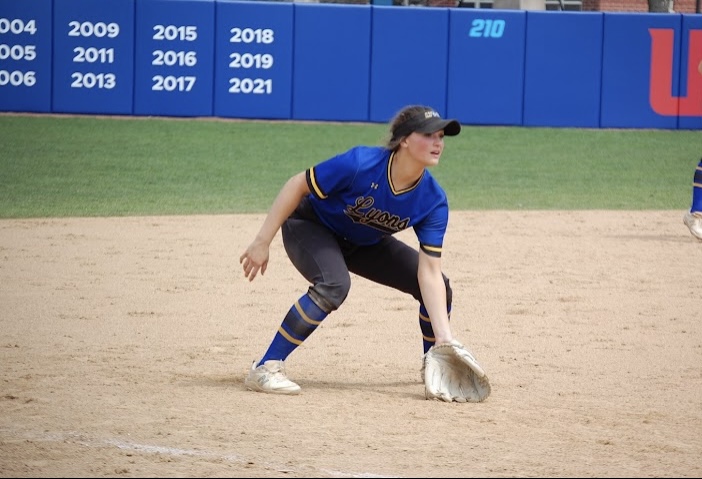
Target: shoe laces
276,369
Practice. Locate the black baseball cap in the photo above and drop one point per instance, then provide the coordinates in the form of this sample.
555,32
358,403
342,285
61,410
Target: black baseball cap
427,121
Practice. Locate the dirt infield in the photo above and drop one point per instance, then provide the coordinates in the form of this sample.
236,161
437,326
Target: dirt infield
125,342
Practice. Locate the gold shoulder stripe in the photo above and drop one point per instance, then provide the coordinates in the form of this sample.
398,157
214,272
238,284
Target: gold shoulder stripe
314,186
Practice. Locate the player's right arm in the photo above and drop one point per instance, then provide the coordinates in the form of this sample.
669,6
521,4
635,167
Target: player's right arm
255,258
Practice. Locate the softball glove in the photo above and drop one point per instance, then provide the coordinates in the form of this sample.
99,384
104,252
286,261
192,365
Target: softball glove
451,373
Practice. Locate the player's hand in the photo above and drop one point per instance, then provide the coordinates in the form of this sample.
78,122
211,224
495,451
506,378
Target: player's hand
255,259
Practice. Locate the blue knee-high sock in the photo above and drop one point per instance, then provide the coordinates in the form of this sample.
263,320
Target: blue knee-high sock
428,338
302,319
697,189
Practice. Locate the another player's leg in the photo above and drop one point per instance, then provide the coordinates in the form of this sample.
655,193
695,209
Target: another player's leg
693,218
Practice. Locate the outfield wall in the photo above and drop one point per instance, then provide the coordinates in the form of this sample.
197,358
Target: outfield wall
339,62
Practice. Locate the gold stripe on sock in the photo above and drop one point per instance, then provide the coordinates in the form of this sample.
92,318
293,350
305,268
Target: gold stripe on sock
288,337
306,318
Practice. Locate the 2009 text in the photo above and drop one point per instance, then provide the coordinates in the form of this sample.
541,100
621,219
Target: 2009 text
90,29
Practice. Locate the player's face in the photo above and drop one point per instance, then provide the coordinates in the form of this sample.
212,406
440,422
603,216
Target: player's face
426,148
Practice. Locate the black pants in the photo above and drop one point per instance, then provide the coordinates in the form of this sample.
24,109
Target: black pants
325,260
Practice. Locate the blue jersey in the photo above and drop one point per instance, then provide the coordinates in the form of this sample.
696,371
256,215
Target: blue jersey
353,196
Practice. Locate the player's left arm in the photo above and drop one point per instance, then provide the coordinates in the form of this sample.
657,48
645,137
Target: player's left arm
433,288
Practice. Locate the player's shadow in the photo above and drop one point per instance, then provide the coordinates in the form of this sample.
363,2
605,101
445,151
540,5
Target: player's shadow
664,238
406,389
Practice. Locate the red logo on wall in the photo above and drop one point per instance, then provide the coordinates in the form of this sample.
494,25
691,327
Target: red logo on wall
660,93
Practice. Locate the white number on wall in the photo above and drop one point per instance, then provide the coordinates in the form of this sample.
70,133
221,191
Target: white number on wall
93,55
248,60
17,78
250,35
17,26
173,32
18,52
173,83
171,58
90,29
256,86
94,80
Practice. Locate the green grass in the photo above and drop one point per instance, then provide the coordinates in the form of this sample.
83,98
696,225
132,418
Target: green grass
56,166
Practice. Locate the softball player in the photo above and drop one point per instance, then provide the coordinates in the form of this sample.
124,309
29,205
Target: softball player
693,218
340,216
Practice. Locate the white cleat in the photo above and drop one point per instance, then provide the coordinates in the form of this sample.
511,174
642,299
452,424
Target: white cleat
270,377
694,222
